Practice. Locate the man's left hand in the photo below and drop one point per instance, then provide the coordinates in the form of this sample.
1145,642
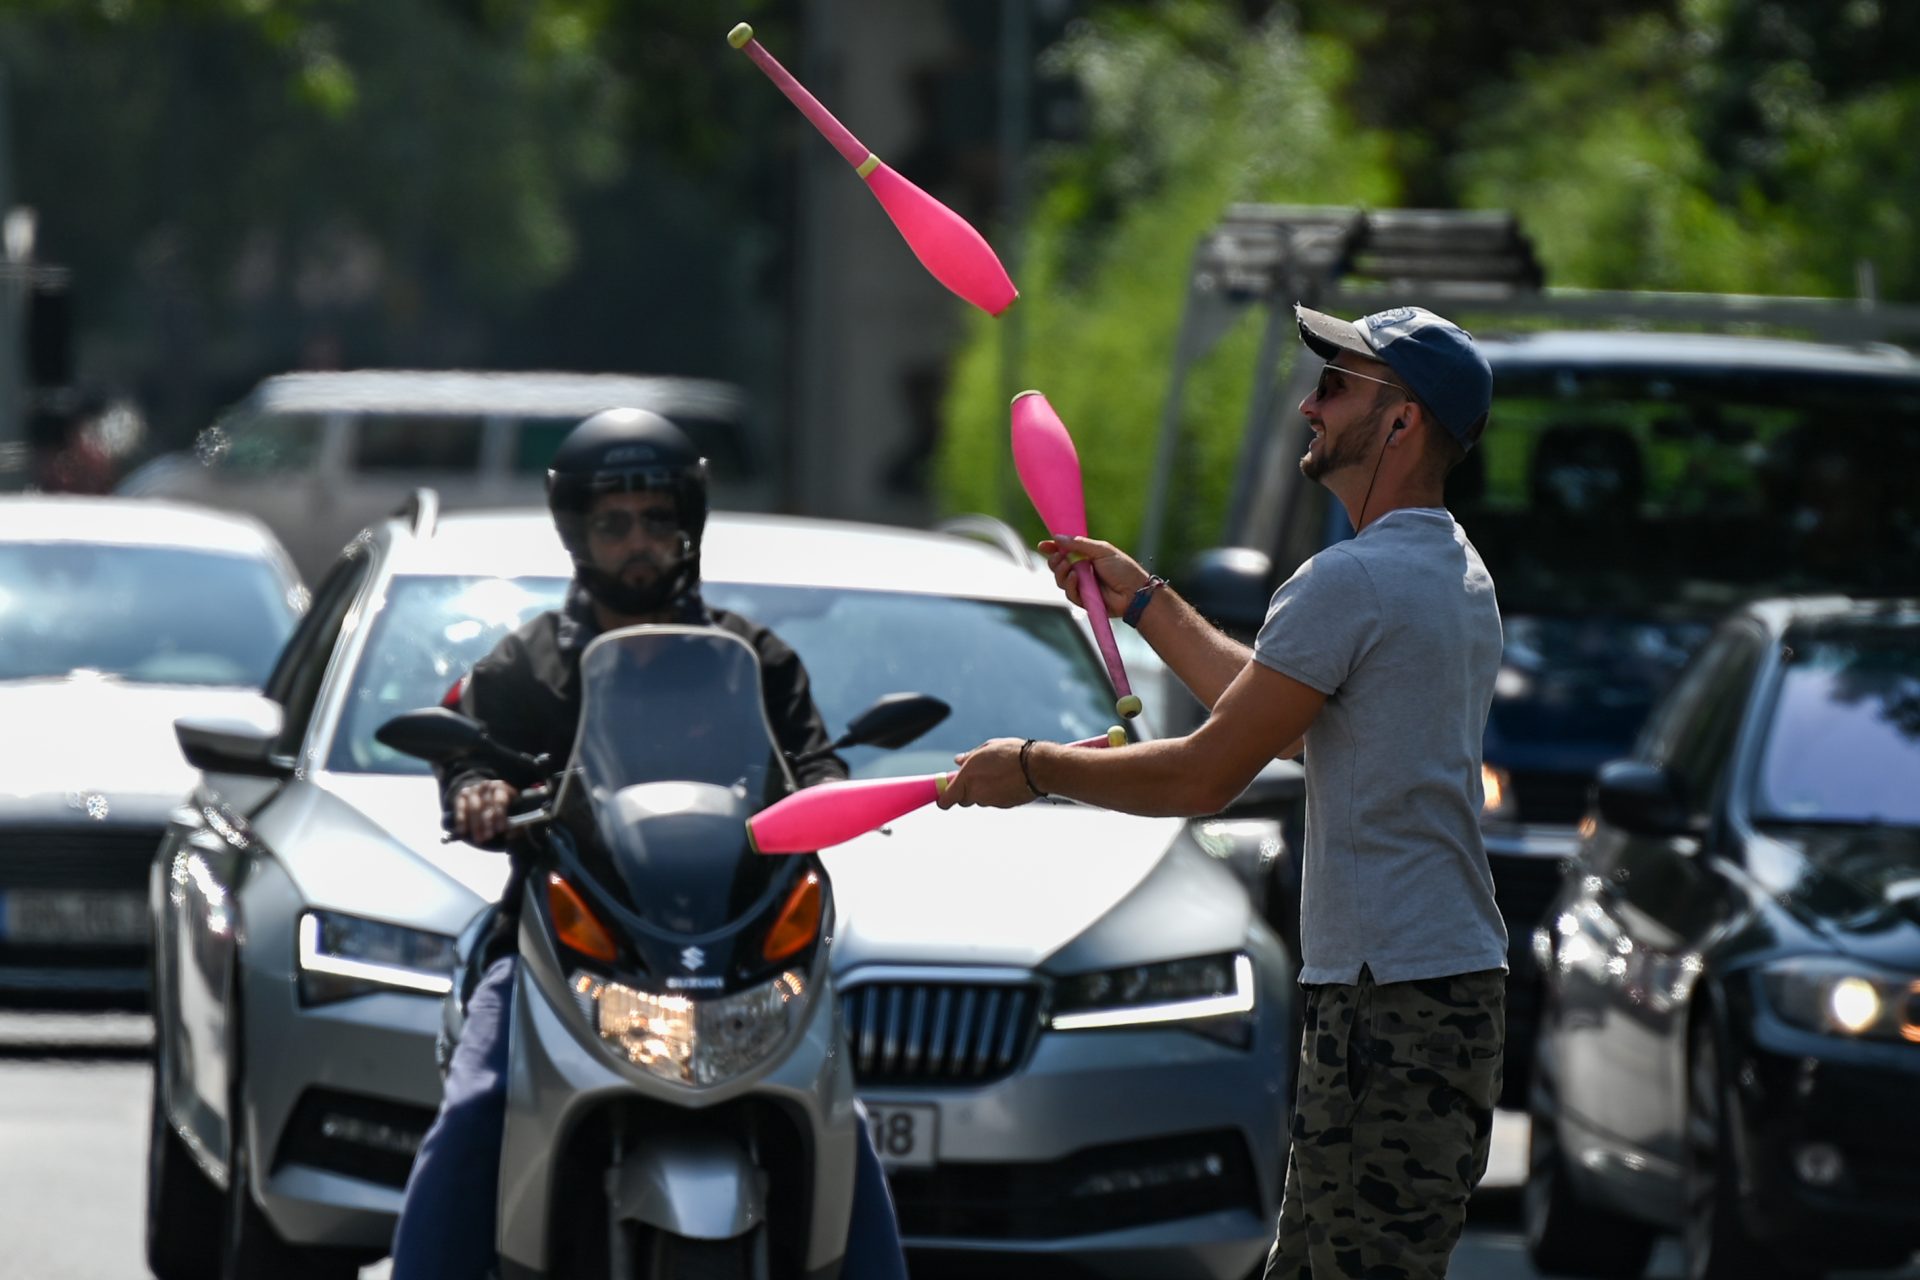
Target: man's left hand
989,776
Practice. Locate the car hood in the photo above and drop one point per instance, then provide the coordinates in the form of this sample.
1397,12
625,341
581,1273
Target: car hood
1859,885
1573,691
408,806
987,886
106,741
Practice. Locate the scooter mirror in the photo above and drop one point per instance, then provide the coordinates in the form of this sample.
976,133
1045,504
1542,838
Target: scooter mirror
894,721
433,734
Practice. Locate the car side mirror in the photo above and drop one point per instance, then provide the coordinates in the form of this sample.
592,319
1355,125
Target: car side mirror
1643,799
895,720
242,741
1278,786
1230,587
433,734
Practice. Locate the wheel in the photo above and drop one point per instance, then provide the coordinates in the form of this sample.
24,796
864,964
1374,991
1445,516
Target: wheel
1718,1246
1565,1237
183,1206
676,1257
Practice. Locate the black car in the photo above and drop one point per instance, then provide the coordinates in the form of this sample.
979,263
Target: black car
1730,1034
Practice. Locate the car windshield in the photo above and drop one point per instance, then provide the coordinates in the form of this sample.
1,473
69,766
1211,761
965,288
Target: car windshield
1007,670
155,615
1681,491
429,632
1843,744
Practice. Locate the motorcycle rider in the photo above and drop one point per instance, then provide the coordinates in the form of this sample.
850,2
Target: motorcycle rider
628,492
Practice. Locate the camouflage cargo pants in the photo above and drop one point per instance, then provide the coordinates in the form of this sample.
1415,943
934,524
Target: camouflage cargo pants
1391,1126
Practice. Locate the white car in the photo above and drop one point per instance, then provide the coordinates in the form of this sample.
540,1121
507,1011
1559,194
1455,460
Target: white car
1069,1023
115,617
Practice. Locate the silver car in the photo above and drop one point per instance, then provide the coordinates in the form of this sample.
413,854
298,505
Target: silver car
115,617
1067,1023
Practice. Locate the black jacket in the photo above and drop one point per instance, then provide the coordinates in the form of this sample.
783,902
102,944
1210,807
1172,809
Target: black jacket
527,694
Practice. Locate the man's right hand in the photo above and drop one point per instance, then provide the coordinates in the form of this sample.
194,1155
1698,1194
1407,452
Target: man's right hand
480,810
1118,573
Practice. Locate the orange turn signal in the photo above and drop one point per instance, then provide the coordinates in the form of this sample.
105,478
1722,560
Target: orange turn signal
575,922
798,922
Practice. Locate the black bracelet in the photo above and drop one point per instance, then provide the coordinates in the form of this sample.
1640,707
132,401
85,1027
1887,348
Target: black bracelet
1141,599
1026,770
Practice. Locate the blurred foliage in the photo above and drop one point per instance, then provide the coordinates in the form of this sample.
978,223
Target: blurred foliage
1188,111
235,181
1420,64
1756,146
1731,147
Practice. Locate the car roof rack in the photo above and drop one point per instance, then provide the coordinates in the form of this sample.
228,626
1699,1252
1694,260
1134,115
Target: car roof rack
421,511
1476,262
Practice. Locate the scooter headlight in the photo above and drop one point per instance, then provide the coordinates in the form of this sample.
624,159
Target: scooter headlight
694,1042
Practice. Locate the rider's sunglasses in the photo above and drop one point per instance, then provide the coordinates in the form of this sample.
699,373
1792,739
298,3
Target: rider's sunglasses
618,526
1330,374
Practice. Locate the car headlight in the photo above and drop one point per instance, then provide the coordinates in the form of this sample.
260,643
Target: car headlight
342,956
1496,794
1198,991
1840,997
693,1042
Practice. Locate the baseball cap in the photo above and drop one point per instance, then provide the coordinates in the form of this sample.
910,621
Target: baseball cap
1435,357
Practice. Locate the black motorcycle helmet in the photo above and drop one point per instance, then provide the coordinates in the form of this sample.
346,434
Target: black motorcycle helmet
629,451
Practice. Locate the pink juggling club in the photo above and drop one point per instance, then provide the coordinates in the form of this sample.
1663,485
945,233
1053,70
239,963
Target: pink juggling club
946,244
1049,468
835,812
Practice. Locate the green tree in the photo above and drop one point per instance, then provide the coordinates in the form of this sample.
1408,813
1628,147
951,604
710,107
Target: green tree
1736,147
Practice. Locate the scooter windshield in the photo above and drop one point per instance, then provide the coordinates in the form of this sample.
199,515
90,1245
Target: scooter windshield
674,753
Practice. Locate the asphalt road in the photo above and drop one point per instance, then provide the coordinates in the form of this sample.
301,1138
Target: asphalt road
73,1117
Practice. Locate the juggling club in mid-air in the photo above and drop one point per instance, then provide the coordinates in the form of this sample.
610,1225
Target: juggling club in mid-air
946,243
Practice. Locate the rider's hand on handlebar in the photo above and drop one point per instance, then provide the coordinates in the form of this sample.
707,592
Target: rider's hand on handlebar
1119,574
480,810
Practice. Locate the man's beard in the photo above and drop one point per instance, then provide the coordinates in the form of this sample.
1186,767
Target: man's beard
1349,451
673,575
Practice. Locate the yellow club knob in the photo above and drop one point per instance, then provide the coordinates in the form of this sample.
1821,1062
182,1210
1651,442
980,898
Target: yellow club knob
739,36
1116,736
1128,706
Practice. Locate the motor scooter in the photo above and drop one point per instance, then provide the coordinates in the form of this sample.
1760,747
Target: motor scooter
678,1104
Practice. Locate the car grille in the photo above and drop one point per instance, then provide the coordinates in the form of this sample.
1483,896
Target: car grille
939,1032
89,857
1135,1183
1558,798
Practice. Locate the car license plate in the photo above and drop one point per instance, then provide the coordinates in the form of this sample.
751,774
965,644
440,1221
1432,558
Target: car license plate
905,1134
73,917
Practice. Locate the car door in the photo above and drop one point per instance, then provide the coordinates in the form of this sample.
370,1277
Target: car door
1649,904
203,862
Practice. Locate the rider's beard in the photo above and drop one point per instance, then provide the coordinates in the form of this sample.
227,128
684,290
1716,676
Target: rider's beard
645,583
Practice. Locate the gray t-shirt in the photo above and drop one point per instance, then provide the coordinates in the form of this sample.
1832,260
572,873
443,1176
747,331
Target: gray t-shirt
1399,628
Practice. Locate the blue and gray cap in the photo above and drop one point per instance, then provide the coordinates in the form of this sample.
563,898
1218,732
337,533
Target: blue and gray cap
1435,357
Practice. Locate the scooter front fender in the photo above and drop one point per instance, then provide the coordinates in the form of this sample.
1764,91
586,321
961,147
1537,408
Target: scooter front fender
700,1186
